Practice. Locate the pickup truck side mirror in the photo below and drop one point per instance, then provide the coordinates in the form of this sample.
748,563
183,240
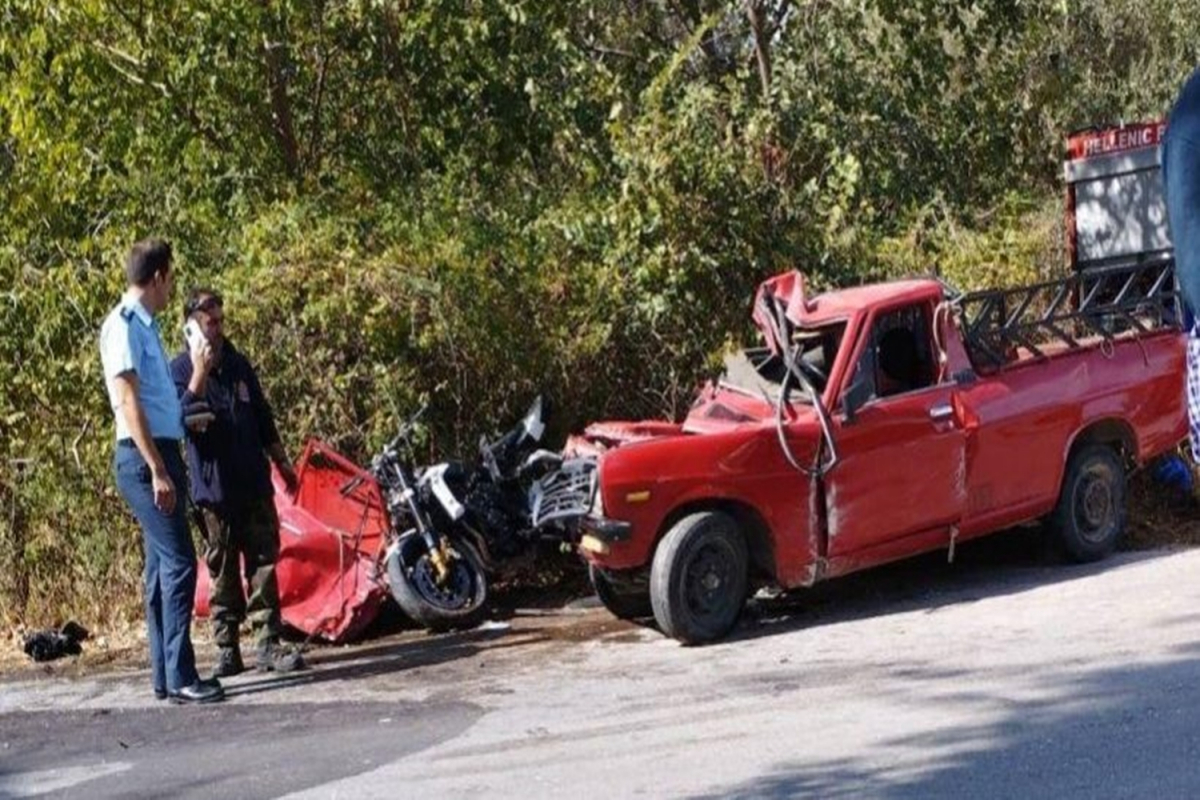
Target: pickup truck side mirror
855,397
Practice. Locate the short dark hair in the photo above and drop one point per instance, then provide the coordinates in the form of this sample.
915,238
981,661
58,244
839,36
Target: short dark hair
146,259
201,299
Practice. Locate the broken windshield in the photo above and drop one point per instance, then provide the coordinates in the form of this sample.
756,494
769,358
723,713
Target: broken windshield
760,372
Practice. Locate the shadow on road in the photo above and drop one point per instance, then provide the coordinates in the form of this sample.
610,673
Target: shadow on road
396,658
1015,562
224,750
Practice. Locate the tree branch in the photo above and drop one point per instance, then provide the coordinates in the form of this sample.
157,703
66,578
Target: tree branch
602,50
281,106
691,16
761,45
138,78
314,136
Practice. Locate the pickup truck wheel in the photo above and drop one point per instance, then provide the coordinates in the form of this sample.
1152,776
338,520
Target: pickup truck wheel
1090,516
699,577
623,602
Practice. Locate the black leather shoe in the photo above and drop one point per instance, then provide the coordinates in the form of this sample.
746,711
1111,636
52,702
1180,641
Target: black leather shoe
160,694
199,692
229,663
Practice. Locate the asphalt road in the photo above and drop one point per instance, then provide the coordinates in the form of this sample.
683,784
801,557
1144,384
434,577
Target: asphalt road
230,751
998,676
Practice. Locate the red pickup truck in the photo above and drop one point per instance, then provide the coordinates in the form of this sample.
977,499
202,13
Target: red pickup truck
881,422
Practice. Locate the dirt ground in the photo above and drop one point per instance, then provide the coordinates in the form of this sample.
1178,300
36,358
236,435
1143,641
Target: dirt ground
525,597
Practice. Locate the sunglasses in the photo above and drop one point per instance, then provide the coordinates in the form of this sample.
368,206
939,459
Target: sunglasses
205,303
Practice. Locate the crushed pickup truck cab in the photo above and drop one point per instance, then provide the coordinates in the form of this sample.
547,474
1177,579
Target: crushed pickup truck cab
884,421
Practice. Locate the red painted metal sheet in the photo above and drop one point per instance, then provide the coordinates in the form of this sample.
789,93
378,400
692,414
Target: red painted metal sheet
902,471
842,304
340,494
329,542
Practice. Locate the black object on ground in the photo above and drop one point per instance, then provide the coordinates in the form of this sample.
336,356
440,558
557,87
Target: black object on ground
49,645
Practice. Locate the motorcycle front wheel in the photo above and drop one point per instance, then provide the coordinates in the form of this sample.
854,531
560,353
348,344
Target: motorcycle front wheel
456,602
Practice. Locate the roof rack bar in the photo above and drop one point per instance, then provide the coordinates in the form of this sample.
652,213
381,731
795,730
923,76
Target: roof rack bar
1134,299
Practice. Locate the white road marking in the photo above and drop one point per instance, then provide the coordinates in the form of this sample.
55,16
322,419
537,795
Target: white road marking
32,784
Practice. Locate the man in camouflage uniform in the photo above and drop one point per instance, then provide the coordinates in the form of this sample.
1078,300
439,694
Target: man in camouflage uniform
231,488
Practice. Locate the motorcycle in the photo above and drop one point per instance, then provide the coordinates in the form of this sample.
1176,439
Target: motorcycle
453,524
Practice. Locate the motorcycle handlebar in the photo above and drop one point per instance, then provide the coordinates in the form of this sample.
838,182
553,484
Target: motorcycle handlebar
406,428
492,452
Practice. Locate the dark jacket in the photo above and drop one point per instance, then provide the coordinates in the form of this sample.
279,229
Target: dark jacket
227,463
1181,186
1183,121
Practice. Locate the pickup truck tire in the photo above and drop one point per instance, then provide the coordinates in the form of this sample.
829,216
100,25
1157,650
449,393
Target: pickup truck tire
699,577
623,602
1090,516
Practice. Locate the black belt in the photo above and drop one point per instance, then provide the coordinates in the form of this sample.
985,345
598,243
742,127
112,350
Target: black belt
159,443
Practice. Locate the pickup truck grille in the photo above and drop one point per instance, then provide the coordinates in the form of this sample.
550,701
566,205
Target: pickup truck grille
565,494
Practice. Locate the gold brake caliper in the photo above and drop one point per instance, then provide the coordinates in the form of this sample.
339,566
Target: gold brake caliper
440,558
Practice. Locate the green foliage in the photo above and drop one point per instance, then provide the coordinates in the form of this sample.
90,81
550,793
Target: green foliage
464,204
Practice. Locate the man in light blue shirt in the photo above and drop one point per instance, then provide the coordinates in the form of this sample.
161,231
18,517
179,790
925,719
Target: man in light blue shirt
149,468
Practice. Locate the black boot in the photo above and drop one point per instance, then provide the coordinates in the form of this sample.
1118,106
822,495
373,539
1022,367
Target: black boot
229,663
272,657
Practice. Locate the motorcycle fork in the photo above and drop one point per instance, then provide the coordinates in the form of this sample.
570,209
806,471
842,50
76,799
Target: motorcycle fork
440,558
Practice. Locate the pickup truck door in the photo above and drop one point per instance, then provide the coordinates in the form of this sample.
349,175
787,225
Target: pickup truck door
902,470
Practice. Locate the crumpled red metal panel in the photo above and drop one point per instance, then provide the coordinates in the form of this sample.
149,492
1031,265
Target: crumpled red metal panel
330,535
788,287
601,436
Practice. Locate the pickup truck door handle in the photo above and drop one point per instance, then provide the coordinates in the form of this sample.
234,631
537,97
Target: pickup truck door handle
942,412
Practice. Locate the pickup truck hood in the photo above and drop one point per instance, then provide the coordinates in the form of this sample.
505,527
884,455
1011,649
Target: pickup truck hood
601,436
717,409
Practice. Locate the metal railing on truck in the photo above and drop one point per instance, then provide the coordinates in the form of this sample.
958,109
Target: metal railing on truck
1103,301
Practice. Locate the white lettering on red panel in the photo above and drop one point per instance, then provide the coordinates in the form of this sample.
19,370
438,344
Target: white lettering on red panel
1115,140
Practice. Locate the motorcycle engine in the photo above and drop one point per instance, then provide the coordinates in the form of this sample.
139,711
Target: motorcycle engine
488,504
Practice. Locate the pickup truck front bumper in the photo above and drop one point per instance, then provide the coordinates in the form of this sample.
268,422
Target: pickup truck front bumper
600,533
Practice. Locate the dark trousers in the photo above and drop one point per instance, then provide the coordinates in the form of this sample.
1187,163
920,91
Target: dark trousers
1181,181
242,545
170,575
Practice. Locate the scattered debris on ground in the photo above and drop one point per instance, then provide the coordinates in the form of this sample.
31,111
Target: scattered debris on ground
50,645
1160,515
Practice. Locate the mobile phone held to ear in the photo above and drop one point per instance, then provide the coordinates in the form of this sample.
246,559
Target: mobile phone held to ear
195,337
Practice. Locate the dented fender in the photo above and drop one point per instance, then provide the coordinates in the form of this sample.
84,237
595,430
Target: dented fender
653,482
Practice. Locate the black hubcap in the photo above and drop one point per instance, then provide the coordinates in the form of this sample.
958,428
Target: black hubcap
1095,505
453,593
708,581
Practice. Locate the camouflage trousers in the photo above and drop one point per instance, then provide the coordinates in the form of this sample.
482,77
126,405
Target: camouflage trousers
241,546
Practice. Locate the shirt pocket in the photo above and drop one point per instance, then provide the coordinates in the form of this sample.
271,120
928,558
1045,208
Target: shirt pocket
154,362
